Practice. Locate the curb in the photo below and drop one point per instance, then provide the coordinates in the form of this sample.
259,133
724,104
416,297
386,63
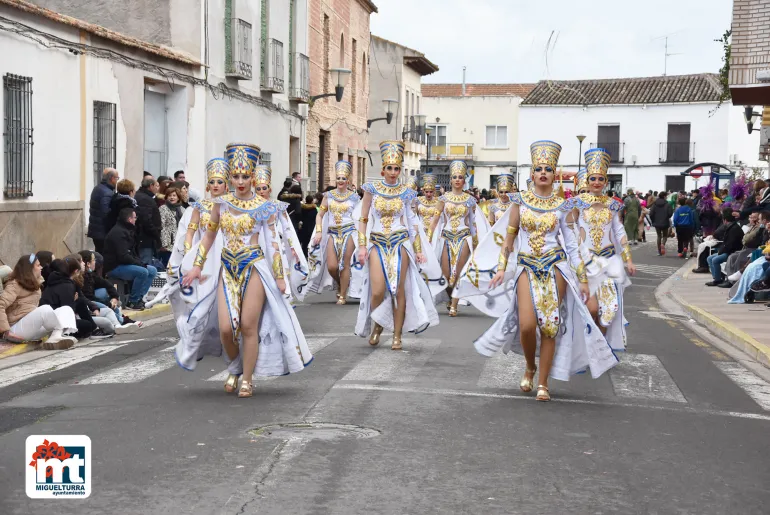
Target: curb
727,332
156,311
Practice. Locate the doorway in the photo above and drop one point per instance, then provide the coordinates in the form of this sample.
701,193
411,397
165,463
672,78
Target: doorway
615,183
674,183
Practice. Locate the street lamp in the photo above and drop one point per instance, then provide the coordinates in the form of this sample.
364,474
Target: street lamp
428,131
750,117
388,114
580,138
340,76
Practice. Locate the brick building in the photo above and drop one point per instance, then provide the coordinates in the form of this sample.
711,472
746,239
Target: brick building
750,62
338,32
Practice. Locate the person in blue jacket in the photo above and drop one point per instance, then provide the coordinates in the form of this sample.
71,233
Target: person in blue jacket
684,223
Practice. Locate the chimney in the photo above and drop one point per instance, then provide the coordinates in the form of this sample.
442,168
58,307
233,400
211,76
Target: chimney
464,80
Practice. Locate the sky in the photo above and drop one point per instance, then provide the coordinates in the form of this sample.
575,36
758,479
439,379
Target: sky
508,40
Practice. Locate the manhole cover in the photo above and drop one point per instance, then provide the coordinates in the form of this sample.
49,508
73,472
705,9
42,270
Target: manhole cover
314,431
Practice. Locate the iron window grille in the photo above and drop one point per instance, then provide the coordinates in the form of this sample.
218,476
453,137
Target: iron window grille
105,135
238,49
17,136
265,158
300,78
272,79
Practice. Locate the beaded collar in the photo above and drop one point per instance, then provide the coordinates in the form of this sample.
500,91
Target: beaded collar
345,196
425,202
590,199
538,203
462,198
388,191
256,207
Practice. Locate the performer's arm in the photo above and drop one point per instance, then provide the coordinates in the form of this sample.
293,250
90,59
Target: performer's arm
472,224
573,254
191,228
319,220
618,236
203,248
434,222
366,206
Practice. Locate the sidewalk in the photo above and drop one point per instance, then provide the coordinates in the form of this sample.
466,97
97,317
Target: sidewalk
14,349
744,326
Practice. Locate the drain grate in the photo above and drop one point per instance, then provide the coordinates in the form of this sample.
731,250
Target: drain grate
314,431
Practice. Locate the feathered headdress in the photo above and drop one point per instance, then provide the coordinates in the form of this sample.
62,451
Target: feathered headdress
707,202
740,189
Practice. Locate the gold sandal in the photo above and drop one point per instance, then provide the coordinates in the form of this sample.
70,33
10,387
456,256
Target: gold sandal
543,394
527,383
396,345
231,385
341,300
374,339
245,390
453,311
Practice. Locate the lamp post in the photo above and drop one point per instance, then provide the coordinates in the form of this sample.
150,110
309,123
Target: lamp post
750,117
580,138
340,76
428,131
388,113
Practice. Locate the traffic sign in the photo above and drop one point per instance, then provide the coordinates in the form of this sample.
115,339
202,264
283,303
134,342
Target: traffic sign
696,173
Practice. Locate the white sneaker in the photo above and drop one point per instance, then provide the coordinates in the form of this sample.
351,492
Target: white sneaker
127,328
57,341
735,277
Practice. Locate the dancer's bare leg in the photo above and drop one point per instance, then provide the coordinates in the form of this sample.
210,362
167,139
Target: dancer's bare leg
445,271
461,260
225,329
593,308
331,261
399,313
377,284
251,312
548,345
345,274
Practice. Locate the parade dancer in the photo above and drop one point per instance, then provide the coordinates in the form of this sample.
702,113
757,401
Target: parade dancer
390,244
426,206
458,222
331,253
295,264
602,235
194,308
541,298
256,322
498,207
411,183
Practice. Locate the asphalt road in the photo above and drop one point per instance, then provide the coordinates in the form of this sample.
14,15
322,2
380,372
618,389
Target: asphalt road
435,429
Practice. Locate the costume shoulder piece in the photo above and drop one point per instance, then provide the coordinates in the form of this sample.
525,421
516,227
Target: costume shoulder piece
463,198
204,205
544,204
516,198
256,207
425,202
281,206
385,190
348,195
589,199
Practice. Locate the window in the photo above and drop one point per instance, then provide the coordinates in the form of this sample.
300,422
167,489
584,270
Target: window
609,139
497,136
439,135
105,129
678,143
265,158
17,129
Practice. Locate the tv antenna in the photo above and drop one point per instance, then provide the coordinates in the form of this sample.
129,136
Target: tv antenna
666,53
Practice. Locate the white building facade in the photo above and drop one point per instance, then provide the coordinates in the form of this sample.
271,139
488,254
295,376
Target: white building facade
477,123
653,127
398,73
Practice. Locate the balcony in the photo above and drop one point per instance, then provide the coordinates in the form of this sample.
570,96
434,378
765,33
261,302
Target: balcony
272,66
673,153
617,150
238,49
452,151
409,132
299,87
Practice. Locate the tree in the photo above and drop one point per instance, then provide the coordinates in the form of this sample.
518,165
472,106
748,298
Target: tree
724,71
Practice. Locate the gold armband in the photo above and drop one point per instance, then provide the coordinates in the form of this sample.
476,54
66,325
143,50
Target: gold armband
365,219
277,265
187,247
475,240
512,230
581,273
193,226
212,226
502,262
323,208
200,258
318,228
429,234
626,254
417,244
361,240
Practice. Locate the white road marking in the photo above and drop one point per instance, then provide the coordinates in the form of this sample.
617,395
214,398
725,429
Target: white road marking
643,376
47,364
656,270
136,370
315,344
462,393
757,388
384,364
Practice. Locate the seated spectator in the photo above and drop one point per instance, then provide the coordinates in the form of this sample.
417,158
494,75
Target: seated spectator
101,292
105,321
45,257
123,198
121,261
171,213
5,271
21,316
751,274
62,292
731,242
684,224
754,237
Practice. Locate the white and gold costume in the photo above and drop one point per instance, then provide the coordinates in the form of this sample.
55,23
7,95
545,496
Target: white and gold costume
499,206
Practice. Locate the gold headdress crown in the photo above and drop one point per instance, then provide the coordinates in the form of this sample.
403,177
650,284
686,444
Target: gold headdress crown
262,174
343,167
242,158
505,182
217,168
411,182
581,180
392,153
458,166
545,153
597,162
429,181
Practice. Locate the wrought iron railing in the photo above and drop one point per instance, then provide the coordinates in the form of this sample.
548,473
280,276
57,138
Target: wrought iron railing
105,135
616,149
17,135
238,50
272,79
677,153
299,87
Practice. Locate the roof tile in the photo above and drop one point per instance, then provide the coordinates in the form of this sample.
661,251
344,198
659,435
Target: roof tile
476,90
702,87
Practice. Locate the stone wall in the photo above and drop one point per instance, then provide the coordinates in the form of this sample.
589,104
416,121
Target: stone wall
27,227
